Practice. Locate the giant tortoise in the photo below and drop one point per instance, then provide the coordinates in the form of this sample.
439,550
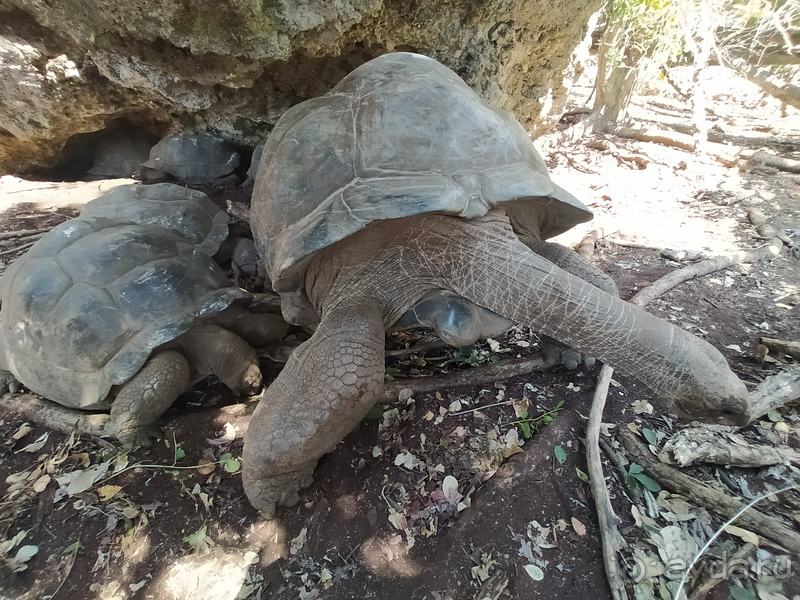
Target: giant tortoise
123,307
400,184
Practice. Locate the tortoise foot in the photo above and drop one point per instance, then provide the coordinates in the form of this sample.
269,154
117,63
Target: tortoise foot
267,493
558,354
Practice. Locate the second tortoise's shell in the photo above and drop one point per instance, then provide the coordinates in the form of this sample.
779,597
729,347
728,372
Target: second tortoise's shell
400,135
188,212
193,157
86,305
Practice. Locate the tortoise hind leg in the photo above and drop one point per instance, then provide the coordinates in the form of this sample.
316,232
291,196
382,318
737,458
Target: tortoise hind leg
146,395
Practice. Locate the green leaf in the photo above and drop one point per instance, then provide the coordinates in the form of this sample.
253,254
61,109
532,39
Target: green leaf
774,416
376,412
230,464
561,454
740,593
651,436
73,547
634,469
179,453
526,430
581,475
649,483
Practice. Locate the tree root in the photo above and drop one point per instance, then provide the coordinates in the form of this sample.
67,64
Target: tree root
708,495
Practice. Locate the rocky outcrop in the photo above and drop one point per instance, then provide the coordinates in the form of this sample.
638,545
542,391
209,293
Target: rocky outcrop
71,67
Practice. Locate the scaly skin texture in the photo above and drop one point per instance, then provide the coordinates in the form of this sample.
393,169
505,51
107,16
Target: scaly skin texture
325,389
146,395
363,283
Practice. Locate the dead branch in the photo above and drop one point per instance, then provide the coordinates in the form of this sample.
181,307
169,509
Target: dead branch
775,392
612,540
10,235
701,444
476,376
587,245
424,347
711,580
658,136
238,210
670,280
56,417
494,586
761,158
17,248
782,347
630,244
708,495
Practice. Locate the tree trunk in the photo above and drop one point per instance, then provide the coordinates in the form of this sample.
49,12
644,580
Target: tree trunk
615,78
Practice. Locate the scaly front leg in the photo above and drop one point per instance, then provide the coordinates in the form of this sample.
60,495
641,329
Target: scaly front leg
326,388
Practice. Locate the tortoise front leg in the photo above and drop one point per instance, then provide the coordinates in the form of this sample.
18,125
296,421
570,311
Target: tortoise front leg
146,395
326,388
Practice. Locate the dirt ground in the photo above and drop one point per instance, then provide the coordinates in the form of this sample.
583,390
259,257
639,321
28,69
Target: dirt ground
440,495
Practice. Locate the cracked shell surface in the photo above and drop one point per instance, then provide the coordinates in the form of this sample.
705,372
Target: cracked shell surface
400,135
85,306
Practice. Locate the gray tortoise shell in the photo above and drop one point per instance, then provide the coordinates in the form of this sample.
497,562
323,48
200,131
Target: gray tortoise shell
400,135
87,304
188,212
193,157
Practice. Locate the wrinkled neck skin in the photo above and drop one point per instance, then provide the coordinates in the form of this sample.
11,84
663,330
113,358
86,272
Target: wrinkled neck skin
369,266
394,263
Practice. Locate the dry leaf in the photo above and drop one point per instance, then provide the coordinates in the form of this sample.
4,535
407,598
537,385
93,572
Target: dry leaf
397,519
37,445
23,430
747,536
41,484
520,407
226,438
511,450
204,467
107,492
296,545
579,527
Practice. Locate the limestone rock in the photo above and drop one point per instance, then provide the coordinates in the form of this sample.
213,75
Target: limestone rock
69,67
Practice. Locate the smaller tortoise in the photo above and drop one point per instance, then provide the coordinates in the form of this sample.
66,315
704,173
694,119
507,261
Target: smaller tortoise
120,154
104,311
196,158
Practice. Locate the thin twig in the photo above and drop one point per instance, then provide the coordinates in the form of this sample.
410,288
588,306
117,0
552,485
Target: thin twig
8,235
17,248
